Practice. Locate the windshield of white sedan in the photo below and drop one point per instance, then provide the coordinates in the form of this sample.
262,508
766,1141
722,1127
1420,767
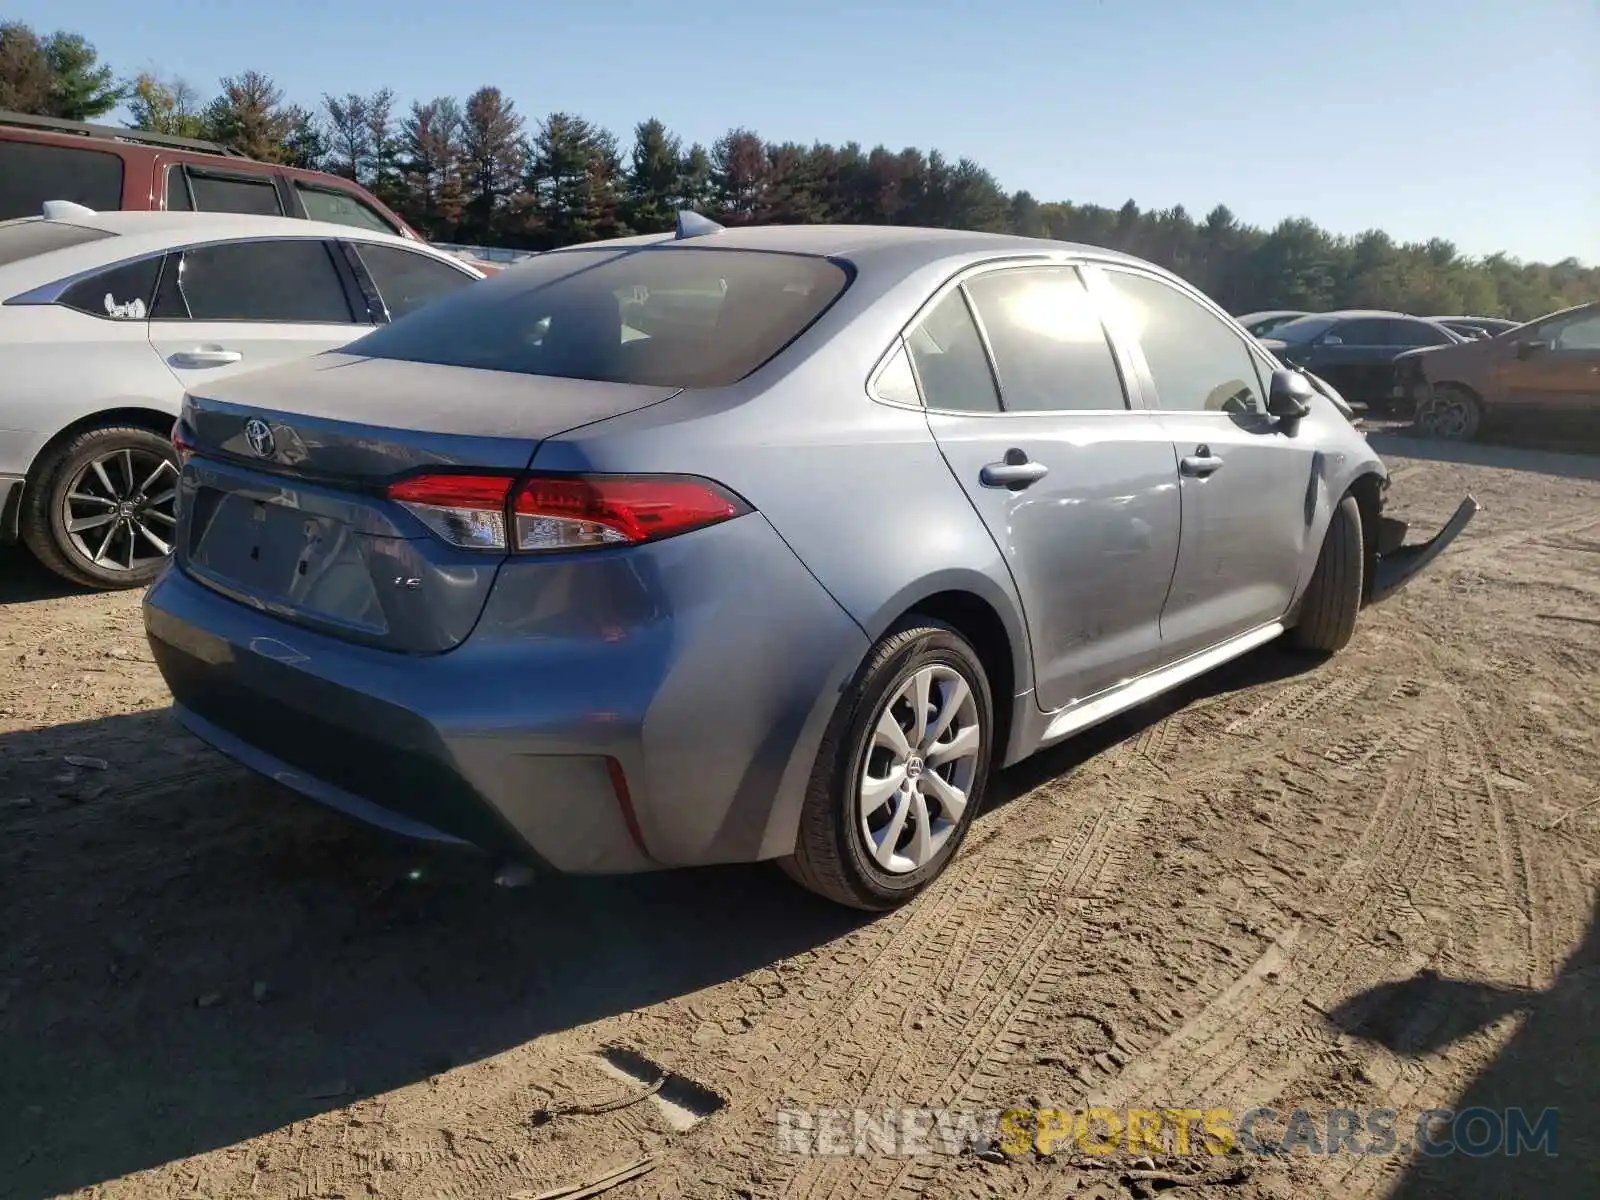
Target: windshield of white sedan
24,239
671,316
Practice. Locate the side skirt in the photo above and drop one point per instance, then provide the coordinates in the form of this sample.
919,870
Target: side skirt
1091,711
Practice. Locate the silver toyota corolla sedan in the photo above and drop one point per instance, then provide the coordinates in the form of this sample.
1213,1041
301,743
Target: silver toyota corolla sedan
751,544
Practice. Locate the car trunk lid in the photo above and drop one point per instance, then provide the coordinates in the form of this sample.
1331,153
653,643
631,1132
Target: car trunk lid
283,504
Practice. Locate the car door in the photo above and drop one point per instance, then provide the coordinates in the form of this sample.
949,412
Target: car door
1025,398
1554,368
1354,357
1243,475
239,305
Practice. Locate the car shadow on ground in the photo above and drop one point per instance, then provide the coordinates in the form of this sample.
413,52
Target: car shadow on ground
1567,463
23,580
193,959
1551,1062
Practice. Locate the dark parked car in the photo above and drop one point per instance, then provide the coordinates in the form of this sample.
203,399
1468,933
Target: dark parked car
1546,372
1357,351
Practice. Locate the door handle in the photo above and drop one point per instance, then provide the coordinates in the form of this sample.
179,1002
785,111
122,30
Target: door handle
1016,472
206,356
1201,463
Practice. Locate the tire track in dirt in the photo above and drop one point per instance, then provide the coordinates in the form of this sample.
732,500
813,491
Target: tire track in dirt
985,996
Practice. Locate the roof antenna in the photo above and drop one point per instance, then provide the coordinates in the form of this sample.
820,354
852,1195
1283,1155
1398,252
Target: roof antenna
691,225
65,210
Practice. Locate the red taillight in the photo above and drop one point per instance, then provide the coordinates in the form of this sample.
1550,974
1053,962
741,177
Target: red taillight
551,512
181,441
555,513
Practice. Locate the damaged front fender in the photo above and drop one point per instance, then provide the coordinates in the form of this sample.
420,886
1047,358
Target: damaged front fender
1397,563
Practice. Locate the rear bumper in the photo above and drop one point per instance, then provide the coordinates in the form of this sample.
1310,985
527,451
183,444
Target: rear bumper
703,667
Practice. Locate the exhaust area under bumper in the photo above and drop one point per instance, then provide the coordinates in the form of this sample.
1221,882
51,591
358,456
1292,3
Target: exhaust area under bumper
1397,564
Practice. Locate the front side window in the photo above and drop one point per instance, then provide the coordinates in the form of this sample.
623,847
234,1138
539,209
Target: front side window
952,367
227,193
341,208
1581,332
121,293
1197,362
33,172
1050,350
290,280
407,280
668,316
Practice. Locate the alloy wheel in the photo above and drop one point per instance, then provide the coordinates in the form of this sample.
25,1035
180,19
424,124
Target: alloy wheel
121,508
919,768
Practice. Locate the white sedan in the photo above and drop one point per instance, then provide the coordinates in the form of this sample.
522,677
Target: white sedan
106,319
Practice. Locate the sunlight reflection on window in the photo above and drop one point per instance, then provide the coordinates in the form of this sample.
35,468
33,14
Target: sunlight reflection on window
1056,309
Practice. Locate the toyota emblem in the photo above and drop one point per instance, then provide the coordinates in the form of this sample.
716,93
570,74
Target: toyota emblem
259,435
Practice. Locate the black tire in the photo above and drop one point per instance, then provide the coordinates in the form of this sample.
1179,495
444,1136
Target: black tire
1450,413
1333,597
44,514
830,856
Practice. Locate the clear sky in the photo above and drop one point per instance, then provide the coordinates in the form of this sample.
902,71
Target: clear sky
1475,120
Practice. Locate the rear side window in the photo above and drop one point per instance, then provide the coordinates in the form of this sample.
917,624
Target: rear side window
1197,362
31,173
341,208
18,242
952,367
671,316
288,280
122,293
217,193
1050,349
407,280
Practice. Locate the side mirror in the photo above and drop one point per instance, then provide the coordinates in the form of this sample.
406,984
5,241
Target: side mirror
1531,347
1289,395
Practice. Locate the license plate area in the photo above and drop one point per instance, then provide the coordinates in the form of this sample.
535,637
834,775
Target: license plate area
284,558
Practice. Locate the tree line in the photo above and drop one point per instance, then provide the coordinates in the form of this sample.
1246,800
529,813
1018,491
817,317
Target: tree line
477,171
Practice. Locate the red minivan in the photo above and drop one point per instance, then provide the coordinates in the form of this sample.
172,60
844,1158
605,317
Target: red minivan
106,168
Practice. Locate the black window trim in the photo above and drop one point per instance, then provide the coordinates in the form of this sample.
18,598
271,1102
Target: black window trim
1086,266
353,298
1264,366
368,291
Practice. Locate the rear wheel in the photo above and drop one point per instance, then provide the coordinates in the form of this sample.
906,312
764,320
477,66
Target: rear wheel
1333,597
1449,412
901,771
100,509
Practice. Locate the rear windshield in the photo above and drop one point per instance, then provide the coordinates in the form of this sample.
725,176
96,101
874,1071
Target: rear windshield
674,316
27,238
1302,329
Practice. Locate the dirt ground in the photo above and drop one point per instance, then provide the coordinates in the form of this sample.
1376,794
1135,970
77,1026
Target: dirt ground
1365,883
